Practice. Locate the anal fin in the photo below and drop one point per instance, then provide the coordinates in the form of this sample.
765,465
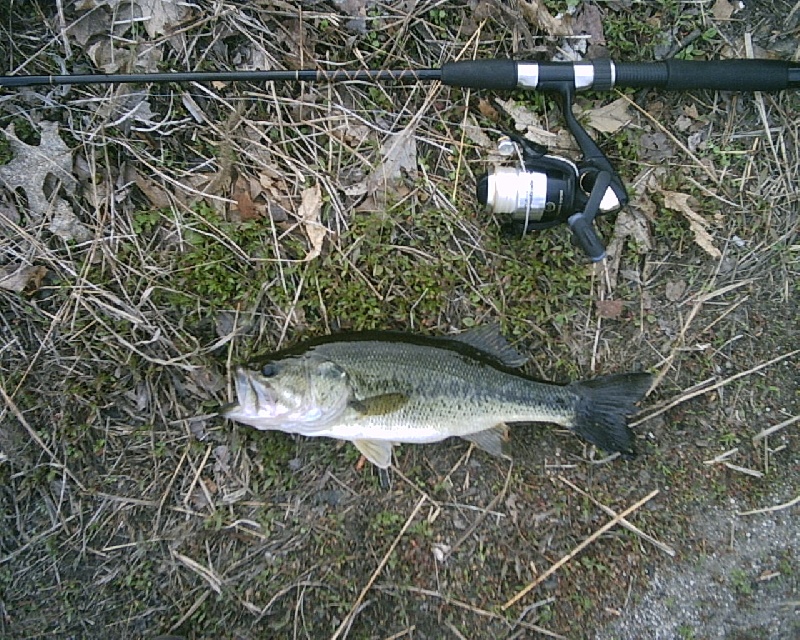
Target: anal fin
491,440
378,452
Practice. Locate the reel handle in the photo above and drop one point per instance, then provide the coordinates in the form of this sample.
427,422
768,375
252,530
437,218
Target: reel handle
581,223
585,236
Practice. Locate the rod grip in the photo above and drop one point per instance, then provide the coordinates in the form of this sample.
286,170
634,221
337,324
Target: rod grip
721,75
480,74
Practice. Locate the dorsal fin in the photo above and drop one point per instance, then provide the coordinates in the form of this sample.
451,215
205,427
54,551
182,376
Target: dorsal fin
488,339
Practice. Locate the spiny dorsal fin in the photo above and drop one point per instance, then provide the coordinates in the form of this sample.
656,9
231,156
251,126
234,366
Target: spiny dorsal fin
491,440
489,340
379,405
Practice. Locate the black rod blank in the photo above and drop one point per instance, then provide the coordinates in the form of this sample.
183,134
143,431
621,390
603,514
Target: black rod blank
723,75
304,75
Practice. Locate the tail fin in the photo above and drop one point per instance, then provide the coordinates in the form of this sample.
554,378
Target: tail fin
603,407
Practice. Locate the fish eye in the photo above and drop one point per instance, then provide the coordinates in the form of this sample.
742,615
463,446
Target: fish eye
269,370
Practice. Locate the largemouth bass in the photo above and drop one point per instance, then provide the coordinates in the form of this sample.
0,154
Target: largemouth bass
376,389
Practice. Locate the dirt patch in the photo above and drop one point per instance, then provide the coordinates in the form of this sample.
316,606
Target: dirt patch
741,582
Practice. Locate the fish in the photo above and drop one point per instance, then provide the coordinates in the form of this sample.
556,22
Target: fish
376,389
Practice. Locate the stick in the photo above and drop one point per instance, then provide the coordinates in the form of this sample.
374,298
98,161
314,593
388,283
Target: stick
610,524
38,440
777,427
348,619
483,514
777,507
717,385
481,612
630,527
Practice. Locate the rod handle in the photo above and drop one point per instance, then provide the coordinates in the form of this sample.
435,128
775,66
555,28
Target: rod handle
721,75
480,74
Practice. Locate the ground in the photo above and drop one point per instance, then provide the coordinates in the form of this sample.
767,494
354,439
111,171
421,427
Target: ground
153,235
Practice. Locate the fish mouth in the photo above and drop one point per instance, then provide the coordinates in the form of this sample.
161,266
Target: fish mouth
254,398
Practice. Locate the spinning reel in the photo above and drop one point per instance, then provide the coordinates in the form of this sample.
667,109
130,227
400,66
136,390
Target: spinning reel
548,190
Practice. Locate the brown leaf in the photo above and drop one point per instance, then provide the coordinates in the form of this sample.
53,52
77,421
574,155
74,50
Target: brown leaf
589,21
537,14
681,202
163,16
18,279
723,10
528,122
631,223
488,111
675,290
158,196
309,216
611,309
610,117
398,157
245,207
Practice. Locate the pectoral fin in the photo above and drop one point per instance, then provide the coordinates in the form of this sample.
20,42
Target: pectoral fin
379,405
378,452
491,440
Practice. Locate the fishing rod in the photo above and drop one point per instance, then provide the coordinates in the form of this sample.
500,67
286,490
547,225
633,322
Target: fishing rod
547,189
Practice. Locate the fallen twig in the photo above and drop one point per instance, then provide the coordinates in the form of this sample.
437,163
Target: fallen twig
769,431
476,610
777,507
609,525
630,527
698,392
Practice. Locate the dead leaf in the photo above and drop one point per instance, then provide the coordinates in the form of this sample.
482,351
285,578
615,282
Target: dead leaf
698,224
32,164
158,196
527,121
683,122
631,223
656,147
245,208
537,14
723,10
19,278
691,111
9,216
308,214
610,117
488,111
589,21
675,290
610,309
477,134
32,167
93,23
162,17
399,153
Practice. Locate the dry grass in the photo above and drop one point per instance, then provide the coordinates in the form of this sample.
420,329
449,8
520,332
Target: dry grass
130,510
